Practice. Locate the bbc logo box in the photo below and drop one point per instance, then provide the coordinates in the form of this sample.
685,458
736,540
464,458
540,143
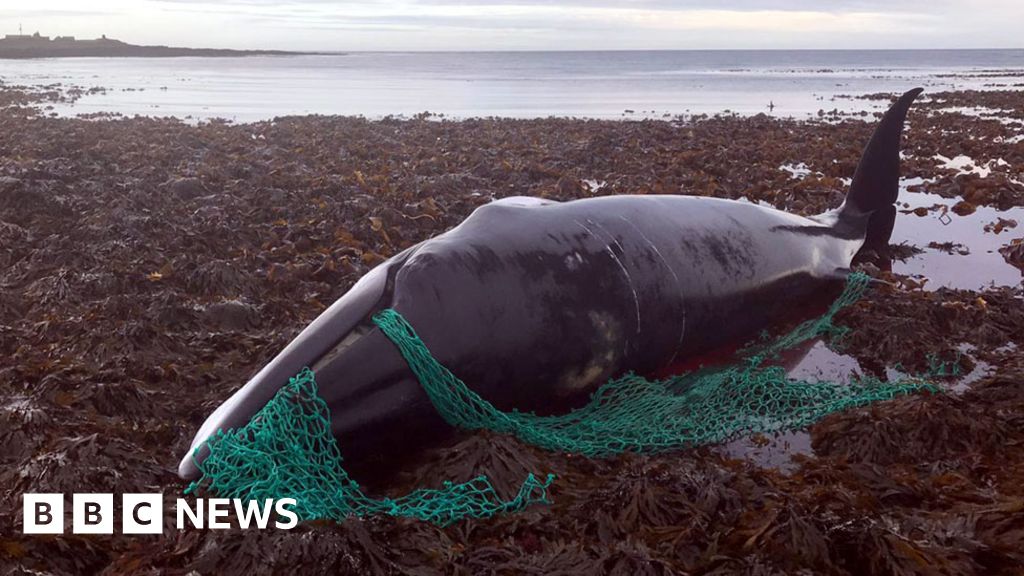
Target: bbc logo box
93,514
43,514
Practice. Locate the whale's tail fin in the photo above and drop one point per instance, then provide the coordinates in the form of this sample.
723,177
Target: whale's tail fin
870,203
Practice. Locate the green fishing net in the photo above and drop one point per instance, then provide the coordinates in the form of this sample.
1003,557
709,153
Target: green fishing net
287,449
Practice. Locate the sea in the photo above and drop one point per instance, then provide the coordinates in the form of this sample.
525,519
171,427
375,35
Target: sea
607,85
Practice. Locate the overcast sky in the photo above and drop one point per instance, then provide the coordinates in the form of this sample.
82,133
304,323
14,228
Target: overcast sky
529,24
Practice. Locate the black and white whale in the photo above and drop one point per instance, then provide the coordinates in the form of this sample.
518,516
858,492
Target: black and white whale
534,303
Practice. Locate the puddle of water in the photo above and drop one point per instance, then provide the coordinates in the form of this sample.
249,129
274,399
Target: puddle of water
1008,348
816,362
796,171
981,370
966,165
776,451
820,363
984,266
1010,140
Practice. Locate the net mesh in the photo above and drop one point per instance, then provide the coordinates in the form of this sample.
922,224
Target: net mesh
287,449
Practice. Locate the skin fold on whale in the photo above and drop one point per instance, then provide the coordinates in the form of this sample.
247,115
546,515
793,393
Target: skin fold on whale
535,303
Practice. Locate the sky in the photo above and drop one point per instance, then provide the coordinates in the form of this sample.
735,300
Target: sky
529,24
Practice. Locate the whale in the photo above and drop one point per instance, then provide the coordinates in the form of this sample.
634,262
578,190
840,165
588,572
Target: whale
535,303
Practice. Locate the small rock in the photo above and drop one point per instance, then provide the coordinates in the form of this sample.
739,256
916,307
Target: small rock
964,208
185,188
231,315
8,182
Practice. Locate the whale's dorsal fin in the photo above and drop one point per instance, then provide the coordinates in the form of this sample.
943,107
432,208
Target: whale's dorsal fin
869,206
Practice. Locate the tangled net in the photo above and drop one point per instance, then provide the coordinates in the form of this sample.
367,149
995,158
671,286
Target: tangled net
287,449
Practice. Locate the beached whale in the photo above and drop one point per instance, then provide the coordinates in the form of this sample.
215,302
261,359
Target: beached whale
535,303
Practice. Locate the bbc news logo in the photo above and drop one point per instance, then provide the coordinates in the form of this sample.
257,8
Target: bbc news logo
144,513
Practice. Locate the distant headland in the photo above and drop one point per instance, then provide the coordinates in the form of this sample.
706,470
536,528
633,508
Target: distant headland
36,46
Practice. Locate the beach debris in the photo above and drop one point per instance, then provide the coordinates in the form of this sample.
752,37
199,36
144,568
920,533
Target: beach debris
950,247
1000,224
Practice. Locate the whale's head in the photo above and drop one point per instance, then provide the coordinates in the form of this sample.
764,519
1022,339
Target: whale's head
361,375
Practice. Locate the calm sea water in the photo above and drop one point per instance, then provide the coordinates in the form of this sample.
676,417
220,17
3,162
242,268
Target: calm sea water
513,84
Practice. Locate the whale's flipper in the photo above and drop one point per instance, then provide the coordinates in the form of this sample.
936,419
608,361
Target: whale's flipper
869,205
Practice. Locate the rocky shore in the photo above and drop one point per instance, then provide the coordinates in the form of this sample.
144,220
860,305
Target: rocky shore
148,267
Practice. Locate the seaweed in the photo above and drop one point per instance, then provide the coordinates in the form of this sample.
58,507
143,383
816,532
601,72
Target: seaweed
148,267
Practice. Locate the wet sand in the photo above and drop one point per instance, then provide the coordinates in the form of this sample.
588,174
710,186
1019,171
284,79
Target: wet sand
148,267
